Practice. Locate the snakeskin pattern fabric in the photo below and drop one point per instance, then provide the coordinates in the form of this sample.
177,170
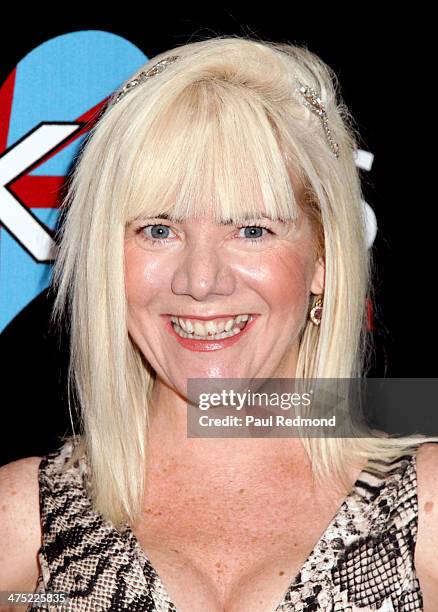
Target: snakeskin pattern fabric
363,562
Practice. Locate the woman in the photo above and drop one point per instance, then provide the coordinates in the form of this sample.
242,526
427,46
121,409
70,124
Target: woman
215,202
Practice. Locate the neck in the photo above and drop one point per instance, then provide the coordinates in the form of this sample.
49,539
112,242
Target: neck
168,443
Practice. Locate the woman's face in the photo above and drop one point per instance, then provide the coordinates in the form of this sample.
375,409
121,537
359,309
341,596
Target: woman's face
194,278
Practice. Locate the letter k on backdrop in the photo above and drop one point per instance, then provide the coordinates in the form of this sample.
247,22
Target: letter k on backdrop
47,105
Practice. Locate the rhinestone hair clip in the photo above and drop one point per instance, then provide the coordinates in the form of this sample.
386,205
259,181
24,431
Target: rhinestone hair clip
144,75
313,101
311,98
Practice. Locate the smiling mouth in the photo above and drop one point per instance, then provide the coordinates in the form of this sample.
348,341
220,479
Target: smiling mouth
214,329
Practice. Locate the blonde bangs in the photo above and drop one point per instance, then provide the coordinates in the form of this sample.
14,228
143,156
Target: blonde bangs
209,151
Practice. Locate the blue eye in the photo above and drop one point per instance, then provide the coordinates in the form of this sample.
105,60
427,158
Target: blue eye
159,231
255,232
155,233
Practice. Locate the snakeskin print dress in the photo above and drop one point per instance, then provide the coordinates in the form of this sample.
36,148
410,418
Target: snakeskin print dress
363,562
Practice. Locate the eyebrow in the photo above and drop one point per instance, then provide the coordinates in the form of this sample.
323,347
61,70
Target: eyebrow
247,217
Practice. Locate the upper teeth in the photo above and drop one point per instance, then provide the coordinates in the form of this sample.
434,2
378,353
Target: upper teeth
206,328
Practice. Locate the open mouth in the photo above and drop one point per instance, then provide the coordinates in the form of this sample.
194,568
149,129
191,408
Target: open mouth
213,329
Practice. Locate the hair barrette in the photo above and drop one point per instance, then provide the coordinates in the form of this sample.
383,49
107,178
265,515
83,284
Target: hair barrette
313,101
144,75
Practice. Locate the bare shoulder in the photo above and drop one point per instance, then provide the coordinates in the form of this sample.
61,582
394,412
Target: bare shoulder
20,527
426,558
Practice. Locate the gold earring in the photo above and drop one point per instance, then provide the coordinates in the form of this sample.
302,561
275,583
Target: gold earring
316,312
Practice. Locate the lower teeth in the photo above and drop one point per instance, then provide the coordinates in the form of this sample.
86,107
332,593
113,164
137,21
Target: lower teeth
220,336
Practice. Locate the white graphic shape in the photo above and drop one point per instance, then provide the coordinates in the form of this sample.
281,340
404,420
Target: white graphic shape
13,215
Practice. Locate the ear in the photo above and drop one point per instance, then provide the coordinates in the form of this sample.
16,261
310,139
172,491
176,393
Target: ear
318,280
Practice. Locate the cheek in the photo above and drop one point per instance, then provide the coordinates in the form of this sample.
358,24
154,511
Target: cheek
284,277
143,277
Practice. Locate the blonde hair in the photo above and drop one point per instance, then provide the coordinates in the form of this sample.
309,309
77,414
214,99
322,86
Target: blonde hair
224,124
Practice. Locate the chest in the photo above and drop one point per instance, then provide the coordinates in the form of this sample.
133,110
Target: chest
231,546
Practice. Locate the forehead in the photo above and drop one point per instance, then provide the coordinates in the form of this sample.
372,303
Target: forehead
222,172
215,212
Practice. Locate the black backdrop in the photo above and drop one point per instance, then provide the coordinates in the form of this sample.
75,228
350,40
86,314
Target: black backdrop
377,61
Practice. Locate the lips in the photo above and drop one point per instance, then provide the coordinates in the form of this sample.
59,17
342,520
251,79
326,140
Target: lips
205,318
208,345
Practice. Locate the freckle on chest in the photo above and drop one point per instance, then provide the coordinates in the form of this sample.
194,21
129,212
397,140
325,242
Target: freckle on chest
428,506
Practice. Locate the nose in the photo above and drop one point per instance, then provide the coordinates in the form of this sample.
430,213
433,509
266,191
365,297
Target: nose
203,272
